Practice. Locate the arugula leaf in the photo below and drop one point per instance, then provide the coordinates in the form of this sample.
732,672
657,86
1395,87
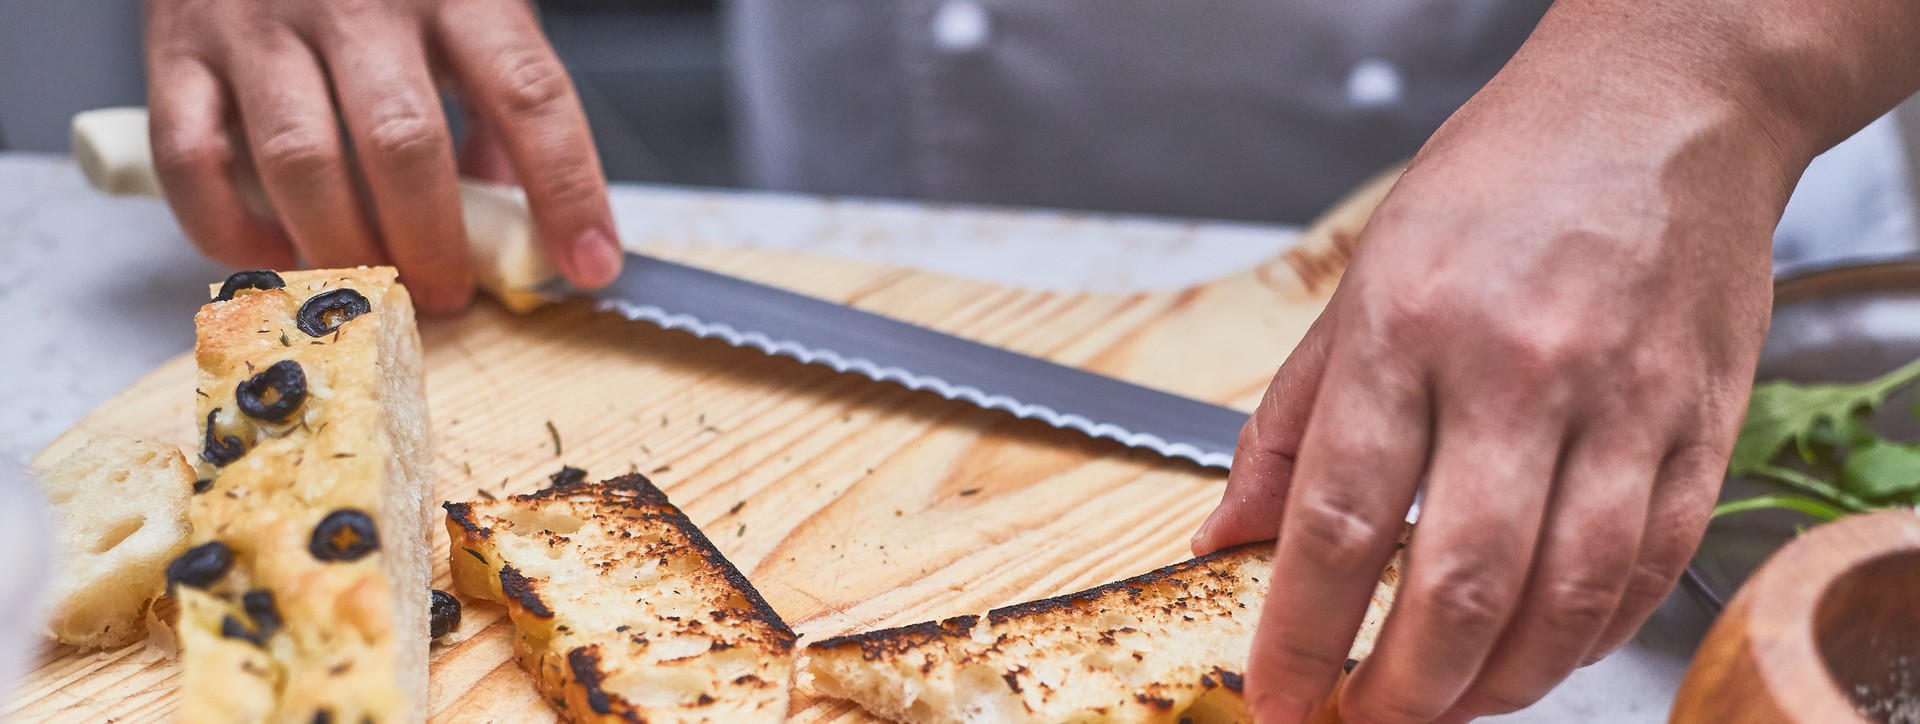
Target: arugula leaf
1804,504
1881,469
1818,487
1783,412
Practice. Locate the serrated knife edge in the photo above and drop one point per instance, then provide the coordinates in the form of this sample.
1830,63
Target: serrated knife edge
884,373
747,314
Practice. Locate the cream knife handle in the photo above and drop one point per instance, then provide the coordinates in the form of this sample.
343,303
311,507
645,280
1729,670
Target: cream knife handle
113,150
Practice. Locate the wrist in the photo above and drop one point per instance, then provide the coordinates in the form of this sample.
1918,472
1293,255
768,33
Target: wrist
1621,93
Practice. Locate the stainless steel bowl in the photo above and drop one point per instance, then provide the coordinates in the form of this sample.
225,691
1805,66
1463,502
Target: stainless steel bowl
1837,322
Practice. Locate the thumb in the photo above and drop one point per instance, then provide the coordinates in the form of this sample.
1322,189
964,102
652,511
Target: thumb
1263,458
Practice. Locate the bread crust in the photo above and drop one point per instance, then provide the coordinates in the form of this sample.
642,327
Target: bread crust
624,610
1168,645
351,635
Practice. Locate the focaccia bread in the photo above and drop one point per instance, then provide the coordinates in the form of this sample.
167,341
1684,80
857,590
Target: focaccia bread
305,595
120,505
625,612
1167,646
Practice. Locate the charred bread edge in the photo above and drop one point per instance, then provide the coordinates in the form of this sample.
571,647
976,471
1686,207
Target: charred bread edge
880,643
644,495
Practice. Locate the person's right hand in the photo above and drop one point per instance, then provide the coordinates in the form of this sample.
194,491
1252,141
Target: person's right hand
311,92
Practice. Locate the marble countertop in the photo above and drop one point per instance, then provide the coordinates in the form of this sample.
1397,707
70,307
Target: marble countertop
100,290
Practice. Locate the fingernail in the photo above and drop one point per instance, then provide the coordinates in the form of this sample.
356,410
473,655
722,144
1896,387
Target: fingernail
596,259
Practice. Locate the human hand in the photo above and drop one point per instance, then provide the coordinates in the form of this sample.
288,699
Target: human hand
1550,326
315,94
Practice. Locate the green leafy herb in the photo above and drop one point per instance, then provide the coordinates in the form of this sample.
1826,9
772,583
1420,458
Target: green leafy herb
1785,412
1842,465
1789,501
1882,469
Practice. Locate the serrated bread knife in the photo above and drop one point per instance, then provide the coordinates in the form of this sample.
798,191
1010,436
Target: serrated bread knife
111,146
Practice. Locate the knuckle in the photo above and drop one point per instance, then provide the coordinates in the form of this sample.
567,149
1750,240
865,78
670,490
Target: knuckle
1251,435
1648,583
1296,658
570,185
1536,352
1465,603
407,141
175,153
1401,319
1342,529
1579,603
300,158
532,82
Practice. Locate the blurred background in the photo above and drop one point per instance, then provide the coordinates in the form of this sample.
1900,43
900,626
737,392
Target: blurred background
652,76
662,84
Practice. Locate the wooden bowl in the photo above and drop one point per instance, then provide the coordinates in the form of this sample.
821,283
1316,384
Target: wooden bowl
1827,631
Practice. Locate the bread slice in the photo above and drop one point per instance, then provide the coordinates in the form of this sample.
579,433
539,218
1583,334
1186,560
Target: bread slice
625,611
120,505
1166,646
304,597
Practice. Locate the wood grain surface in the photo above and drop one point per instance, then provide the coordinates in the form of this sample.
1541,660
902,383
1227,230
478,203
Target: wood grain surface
849,503
1825,632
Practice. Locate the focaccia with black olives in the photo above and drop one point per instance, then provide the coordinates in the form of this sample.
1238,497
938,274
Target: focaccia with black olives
305,595
1166,646
624,610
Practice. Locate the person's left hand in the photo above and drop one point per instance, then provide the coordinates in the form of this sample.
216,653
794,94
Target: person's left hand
1550,325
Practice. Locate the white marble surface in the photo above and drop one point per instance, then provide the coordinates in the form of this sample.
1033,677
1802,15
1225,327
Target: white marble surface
98,291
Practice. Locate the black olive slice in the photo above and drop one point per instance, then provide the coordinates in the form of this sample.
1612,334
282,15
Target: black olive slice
255,279
567,476
445,610
220,450
259,606
344,535
323,716
275,393
202,485
326,311
201,565
232,628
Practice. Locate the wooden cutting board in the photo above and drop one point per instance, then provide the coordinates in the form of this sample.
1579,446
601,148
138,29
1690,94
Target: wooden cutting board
850,504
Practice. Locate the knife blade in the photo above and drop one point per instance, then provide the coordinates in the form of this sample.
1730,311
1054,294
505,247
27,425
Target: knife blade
778,322
112,150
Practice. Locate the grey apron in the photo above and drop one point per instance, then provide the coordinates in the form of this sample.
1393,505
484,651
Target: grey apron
1233,109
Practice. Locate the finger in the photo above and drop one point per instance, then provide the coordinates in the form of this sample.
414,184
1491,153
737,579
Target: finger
193,155
1495,455
1682,504
1359,463
405,152
1594,522
1263,458
514,80
291,128
481,154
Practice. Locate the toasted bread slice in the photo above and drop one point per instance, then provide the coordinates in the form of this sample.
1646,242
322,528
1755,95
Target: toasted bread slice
121,506
1166,646
304,596
625,611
